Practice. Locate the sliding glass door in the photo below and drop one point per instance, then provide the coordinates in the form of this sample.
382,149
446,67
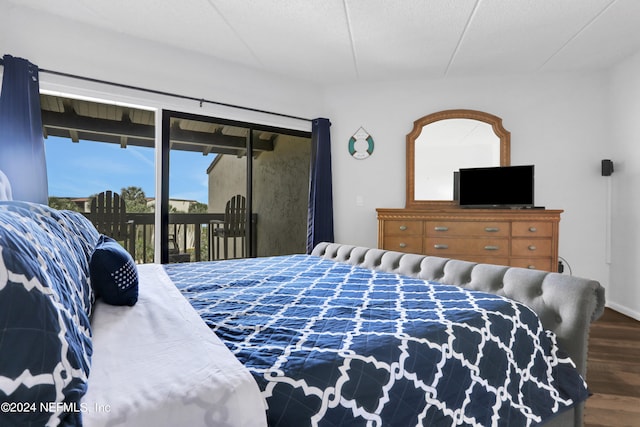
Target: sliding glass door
280,194
247,183
100,151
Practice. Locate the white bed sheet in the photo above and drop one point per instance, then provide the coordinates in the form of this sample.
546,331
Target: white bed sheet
158,364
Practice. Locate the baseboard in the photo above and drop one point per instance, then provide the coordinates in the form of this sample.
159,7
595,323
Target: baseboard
624,310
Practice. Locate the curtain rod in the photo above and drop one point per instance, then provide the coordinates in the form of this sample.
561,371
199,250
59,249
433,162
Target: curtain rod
174,95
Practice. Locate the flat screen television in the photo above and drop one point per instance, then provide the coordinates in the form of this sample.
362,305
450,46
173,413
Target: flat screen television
496,187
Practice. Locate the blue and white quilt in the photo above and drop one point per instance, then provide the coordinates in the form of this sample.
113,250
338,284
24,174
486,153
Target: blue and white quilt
45,304
331,344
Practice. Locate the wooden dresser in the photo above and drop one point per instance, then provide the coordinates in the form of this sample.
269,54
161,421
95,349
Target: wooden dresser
517,237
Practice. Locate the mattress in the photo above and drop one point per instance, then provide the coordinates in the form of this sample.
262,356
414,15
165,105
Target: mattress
334,344
158,364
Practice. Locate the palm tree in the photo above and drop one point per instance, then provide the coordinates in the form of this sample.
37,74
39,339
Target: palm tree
63,203
135,199
198,207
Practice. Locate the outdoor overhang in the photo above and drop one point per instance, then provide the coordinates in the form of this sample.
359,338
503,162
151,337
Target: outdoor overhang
126,126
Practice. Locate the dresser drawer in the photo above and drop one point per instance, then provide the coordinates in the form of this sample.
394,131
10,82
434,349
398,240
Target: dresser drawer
531,229
534,263
402,228
519,237
466,246
467,228
531,247
410,244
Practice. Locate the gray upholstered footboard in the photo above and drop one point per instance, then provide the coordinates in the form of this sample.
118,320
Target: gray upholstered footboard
565,304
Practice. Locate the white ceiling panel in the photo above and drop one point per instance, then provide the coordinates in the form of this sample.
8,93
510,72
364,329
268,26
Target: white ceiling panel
609,38
194,25
520,39
417,39
292,37
342,41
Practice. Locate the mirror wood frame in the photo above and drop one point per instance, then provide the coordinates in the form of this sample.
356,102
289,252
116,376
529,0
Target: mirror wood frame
495,122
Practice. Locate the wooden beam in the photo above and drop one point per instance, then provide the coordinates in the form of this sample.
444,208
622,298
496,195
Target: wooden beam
72,121
125,133
216,139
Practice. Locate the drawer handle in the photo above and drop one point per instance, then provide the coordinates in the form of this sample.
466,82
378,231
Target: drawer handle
531,267
532,248
439,228
491,229
533,229
403,245
441,246
403,227
491,248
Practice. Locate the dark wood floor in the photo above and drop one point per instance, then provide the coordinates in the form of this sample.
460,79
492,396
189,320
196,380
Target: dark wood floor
613,372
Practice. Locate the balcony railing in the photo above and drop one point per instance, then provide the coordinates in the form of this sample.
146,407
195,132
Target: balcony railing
192,234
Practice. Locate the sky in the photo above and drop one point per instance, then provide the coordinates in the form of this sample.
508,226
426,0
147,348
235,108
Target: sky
85,168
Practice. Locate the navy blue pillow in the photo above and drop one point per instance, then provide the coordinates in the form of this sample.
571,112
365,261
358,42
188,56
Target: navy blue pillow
114,276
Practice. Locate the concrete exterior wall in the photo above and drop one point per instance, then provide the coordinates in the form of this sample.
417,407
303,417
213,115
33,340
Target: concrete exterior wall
227,177
280,193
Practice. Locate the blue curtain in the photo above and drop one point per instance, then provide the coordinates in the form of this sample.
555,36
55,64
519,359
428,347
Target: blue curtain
22,158
320,215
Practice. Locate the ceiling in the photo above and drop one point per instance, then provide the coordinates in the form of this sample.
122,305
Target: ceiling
342,41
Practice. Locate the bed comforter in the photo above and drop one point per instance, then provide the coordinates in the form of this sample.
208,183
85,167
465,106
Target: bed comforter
333,344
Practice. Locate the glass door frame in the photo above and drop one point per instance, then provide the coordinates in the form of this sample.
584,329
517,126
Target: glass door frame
166,116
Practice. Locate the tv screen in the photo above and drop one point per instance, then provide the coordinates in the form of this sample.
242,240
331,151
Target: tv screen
496,187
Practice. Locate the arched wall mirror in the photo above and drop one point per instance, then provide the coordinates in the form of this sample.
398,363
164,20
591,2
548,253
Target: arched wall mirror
446,141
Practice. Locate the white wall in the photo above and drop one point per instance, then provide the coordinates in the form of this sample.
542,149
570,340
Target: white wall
624,140
557,122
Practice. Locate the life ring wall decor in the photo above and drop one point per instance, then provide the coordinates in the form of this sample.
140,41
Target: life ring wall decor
361,144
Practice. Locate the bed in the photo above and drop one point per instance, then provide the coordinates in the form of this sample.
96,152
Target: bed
357,336
343,336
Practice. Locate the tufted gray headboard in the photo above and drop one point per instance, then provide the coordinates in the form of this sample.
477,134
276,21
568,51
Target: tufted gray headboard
565,304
